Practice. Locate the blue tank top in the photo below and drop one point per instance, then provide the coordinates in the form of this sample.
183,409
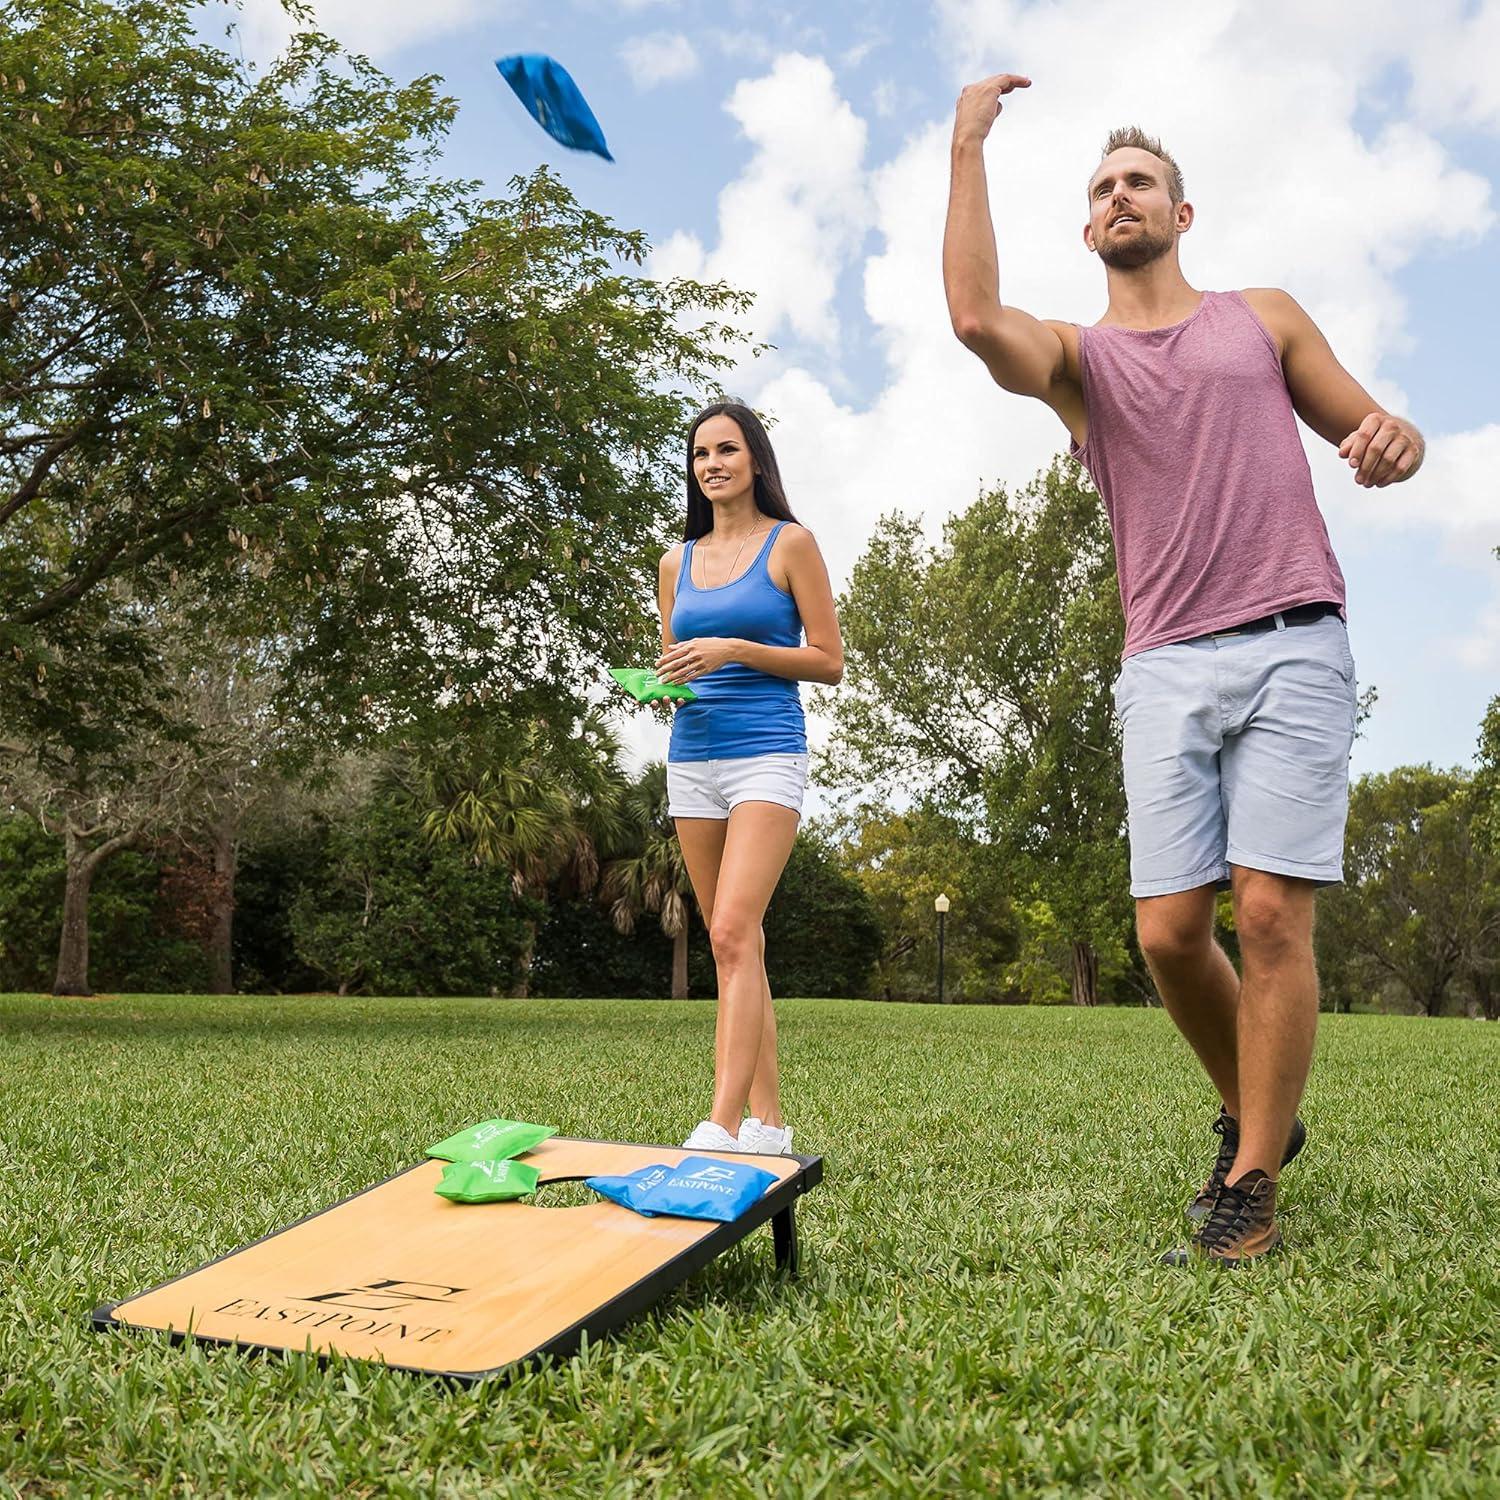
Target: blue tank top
738,711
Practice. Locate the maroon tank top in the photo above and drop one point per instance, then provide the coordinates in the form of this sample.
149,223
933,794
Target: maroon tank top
1193,445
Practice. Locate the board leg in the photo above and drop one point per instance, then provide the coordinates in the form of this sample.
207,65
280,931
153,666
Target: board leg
784,1235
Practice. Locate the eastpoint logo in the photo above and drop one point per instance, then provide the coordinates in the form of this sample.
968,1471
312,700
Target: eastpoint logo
382,1296
712,1179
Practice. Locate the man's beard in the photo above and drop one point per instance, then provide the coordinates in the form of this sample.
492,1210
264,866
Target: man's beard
1140,250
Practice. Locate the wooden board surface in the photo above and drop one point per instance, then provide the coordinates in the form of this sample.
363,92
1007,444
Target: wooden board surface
398,1274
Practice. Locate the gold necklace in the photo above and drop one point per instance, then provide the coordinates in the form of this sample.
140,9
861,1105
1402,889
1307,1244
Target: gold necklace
729,577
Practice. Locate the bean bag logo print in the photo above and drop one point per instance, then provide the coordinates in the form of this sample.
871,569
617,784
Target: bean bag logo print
714,1179
698,1187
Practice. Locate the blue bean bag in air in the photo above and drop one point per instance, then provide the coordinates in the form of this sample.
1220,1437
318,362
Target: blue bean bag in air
547,89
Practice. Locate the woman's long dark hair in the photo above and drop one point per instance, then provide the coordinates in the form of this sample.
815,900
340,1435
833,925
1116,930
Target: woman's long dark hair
770,498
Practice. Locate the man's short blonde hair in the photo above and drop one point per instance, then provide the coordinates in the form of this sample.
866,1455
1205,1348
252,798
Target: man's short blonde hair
1135,137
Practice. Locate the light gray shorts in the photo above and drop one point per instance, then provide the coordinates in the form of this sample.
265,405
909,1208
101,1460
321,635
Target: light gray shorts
714,788
1237,753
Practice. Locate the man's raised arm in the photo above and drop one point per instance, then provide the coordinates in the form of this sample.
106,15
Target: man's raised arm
1023,354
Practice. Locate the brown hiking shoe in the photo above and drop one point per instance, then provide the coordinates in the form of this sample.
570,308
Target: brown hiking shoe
1240,1226
1227,1128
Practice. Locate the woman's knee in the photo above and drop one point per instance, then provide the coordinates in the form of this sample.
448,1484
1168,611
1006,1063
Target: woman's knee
736,941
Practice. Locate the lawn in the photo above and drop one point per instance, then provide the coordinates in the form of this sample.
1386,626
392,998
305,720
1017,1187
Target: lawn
980,1309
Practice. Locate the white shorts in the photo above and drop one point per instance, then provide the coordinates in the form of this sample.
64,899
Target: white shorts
714,788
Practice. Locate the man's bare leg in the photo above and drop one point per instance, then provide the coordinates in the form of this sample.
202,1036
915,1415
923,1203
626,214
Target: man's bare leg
1278,1011
1196,981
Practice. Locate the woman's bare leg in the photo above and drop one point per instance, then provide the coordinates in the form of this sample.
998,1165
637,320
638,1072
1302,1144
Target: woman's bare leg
765,1087
704,842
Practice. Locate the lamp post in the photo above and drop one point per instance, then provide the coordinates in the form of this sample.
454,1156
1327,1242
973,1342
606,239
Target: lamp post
941,907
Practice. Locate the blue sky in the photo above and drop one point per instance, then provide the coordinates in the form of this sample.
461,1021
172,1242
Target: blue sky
1350,153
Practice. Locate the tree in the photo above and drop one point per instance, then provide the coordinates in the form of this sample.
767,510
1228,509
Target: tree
1484,967
1484,976
538,800
241,750
1487,781
388,911
98,801
136,941
979,677
277,860
1479,907
903,860
186,776
654,877
1421,900
580,953
246,334
823,937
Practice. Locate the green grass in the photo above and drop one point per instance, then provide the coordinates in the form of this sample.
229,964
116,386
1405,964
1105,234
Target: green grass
980,1310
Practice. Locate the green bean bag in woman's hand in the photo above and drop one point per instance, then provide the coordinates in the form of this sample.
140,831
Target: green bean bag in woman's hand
646,687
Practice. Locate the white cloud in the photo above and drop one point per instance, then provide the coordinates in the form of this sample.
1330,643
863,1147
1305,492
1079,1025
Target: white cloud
1480,648
798,212
891,97
376,28
853,56
1447,49
741,47
659,58
1456,491
1458,81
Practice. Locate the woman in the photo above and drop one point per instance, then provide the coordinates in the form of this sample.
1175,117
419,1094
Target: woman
737,597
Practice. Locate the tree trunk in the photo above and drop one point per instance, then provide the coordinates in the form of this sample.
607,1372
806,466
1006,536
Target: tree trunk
1085,974
679,964
524,959
1487,993
73,950
221,929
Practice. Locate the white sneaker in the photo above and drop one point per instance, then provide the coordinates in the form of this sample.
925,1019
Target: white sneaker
765,1140
707,1136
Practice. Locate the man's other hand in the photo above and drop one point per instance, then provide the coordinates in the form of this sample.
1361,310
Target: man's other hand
1383,450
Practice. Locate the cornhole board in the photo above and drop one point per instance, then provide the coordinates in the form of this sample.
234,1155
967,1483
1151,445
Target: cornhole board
399,1275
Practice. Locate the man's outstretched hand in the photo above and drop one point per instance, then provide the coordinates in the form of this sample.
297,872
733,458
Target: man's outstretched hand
979,105
1383,450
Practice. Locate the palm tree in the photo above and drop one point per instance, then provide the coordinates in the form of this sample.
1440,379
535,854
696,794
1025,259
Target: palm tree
655,879
524,805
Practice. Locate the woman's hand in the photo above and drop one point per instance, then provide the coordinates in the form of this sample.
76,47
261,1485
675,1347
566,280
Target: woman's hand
684,660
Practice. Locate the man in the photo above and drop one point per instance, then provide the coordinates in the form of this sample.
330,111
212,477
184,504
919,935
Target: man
1236,695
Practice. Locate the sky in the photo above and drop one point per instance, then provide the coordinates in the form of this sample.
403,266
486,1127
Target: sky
1349,153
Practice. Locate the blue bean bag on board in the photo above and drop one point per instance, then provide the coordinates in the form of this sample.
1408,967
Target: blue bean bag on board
698,1187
